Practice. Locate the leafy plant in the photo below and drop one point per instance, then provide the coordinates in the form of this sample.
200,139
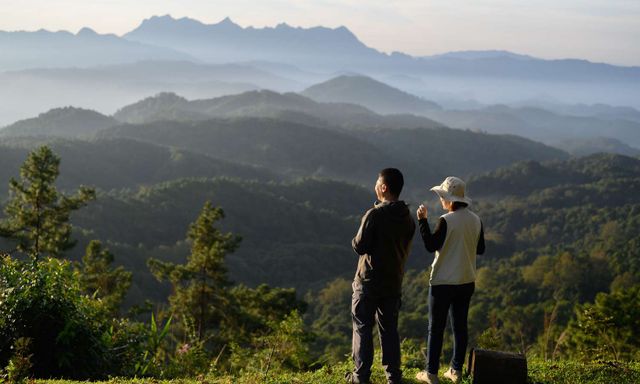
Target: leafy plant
43,302
153,355
19,367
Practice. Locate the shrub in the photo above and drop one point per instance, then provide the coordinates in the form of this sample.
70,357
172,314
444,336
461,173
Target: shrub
43,301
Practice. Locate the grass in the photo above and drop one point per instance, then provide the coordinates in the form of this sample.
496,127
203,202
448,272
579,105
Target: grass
540,372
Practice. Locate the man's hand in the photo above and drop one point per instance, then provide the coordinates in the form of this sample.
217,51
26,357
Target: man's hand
422,212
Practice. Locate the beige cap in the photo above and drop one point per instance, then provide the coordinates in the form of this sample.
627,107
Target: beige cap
452,189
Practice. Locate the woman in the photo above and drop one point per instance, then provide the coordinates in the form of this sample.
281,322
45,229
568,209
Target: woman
457,239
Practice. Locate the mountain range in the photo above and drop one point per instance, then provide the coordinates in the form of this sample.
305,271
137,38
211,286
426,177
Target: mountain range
339,48
289,134
357,102
108,87
285,106
602,126
228,42
309,54
167,38
25,50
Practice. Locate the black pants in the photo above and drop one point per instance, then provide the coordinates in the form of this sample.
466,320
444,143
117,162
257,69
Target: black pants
367,310
453,300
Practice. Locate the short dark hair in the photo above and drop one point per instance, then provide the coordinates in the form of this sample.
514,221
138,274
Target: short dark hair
393,179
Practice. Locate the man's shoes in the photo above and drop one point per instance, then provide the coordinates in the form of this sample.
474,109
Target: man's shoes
350,377
453,375
426,377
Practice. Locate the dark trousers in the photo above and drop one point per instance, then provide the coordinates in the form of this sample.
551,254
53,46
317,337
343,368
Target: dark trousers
367,310
453,300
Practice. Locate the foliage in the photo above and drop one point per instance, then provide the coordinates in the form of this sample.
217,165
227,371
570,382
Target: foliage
608,327
44,302
99,280
20,364
153,354
283,348
199,286
37,215
330,318
292,226
561,233
126,341
549,248
540,372
189,360
556,246
257,309
574,372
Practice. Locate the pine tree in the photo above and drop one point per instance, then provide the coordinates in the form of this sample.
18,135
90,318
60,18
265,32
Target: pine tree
100,280
37,215
200,287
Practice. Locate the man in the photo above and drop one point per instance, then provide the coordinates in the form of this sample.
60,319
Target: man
383,243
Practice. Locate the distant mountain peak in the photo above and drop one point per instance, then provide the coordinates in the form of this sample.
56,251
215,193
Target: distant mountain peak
227,41
60,122
164,98
87,32
163,18
168,20
283,26
486,54
227,22
343,29
168,96
54,112
370,93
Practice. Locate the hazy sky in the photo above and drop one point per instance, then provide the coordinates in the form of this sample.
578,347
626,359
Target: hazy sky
597,30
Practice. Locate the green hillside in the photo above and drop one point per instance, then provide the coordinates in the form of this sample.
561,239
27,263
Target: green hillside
120,163
559,280
294,149
283,106
589,146
446,152
289,148
294,234
571,232
253,103
67,122
164,106
528,177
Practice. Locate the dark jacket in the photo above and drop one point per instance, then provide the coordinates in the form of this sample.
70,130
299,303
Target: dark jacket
383,243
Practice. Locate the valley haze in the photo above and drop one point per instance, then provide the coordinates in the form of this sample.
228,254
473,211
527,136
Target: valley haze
198,60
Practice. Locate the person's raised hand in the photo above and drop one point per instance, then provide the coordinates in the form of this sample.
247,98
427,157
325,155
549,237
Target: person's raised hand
422,212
